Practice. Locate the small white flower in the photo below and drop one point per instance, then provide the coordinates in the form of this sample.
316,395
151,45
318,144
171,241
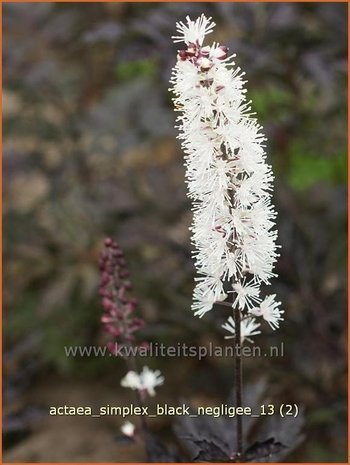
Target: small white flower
150,379
128,429
245,194
131,380
249,327
247,294
208,290
202,305
269,311
146,381
194,31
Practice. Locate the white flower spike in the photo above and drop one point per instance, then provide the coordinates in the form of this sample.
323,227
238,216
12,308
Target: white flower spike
229,181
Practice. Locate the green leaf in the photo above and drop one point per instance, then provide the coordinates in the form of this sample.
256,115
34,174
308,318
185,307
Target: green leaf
307,169
131,69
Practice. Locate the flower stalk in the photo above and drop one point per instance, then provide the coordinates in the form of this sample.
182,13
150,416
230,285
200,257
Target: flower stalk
238,383
120,323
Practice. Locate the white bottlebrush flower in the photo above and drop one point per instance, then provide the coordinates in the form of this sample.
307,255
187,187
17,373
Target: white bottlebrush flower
128,429
269,310
146,381
249,327
228,179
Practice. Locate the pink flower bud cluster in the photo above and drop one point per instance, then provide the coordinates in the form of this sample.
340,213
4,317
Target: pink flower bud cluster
118,317
203,57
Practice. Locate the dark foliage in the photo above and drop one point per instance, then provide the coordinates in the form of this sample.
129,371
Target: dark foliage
210,439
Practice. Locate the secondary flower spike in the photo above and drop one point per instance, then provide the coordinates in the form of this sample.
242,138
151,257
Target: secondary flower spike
229,181
118,318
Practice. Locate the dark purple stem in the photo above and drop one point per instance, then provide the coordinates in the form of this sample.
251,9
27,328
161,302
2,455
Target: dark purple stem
238,381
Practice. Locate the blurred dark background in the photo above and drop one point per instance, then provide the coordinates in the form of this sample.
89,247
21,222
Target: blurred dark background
90,150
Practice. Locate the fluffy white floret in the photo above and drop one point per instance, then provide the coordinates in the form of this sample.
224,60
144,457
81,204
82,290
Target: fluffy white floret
146,381
249,327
